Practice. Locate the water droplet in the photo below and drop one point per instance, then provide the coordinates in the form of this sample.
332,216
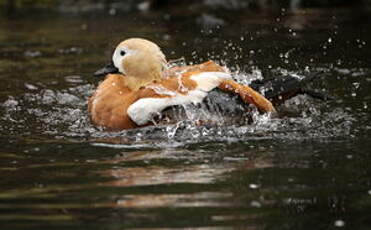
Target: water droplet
32,54
30,86
339,223
255,204
356,85
254,186
112,11
166,37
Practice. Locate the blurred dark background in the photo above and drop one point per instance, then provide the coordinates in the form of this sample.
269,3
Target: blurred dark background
11,7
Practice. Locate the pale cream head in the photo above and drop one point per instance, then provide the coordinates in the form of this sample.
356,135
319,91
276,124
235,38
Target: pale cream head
140,60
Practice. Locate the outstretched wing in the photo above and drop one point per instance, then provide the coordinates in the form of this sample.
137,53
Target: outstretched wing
280,89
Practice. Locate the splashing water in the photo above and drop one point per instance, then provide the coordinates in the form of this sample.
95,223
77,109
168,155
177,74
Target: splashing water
63,114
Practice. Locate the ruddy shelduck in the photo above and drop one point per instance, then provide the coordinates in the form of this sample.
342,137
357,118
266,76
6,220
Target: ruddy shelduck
139,85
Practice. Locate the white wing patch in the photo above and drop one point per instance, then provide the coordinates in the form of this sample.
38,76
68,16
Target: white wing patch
207,81
143,110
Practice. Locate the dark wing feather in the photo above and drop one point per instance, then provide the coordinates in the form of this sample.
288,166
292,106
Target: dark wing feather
280,89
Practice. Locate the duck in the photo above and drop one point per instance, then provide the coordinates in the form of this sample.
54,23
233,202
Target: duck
138,85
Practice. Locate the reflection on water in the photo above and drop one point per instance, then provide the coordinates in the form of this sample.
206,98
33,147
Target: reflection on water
307,167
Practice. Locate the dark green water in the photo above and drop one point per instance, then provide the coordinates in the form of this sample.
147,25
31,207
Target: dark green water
307,169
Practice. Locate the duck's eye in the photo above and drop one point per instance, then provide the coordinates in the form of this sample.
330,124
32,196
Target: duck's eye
122,52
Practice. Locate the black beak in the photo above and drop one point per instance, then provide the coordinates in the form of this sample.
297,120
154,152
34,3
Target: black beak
110,68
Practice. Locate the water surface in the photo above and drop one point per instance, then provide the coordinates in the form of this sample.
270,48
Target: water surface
308,168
